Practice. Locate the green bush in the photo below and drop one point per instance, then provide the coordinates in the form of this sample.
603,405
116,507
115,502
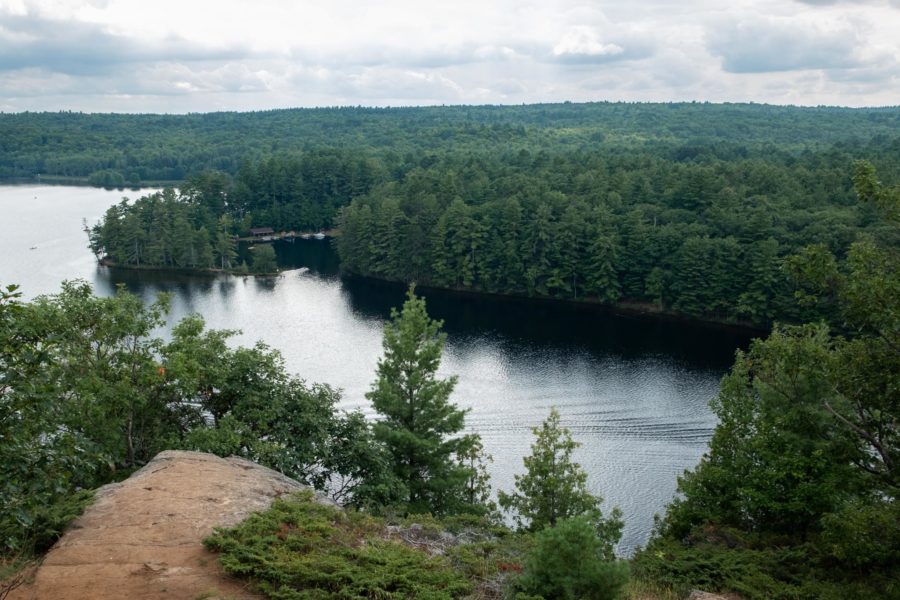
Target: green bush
569,562
864,536
301,549
107,178
35,524
767,572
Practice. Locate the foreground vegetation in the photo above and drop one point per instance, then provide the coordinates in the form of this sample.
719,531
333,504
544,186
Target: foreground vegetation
88,395
301,548
796,498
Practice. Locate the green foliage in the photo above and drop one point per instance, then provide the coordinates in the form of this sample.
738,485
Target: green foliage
87,393
611,203
162,230
264,260
67,144
302,549
797,496
475,460
107,178
554,488
78,399
542,229
864,535
570,562
776,461
419,422
767,572
261,413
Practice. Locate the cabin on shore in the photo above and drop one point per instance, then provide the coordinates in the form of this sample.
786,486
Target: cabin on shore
261,232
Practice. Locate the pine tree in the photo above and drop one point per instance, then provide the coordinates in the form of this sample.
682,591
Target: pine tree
554,487
419,423
224,244
264,259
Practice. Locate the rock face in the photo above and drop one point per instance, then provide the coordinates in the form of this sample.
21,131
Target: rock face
142,538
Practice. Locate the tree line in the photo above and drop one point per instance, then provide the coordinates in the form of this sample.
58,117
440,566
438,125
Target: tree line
130,149
705,238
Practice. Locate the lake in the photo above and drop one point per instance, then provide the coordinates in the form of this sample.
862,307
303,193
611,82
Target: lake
634,391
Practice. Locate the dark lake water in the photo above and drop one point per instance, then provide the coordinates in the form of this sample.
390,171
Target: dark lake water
634,391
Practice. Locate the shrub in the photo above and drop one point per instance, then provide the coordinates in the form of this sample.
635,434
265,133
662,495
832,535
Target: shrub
302,549
765,572
569,561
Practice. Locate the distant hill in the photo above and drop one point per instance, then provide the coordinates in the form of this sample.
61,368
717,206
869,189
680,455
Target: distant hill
147,147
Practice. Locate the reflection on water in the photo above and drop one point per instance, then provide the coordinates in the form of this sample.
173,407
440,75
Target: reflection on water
635,392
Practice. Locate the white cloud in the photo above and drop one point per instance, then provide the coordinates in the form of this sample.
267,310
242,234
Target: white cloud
190,55
583,41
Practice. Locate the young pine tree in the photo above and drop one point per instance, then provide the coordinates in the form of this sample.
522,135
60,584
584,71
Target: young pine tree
419,423
554,487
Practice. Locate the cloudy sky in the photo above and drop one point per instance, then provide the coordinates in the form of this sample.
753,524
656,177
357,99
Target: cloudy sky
189,55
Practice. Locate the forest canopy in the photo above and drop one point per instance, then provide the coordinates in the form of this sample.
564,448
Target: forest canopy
681,208
149,147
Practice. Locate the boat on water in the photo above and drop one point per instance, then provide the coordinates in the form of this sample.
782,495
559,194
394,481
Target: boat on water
319,236
305,236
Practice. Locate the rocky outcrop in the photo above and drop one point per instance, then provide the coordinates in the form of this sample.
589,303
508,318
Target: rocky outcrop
142,538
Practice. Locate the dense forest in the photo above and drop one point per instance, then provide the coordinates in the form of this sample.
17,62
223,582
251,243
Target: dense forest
703,239
129,149
683,208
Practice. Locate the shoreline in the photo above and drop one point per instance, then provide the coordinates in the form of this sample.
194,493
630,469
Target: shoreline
211,272
64,180
622,309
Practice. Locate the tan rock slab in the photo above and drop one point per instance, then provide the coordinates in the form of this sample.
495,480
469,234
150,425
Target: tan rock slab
141,539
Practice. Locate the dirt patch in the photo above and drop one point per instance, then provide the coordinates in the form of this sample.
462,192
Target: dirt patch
142,538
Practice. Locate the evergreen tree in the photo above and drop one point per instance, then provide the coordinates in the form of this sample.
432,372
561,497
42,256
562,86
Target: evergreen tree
419,423
264,260
554,487
602,256
224,246
536,248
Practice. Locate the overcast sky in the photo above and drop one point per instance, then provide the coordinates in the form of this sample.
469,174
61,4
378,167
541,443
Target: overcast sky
187,55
